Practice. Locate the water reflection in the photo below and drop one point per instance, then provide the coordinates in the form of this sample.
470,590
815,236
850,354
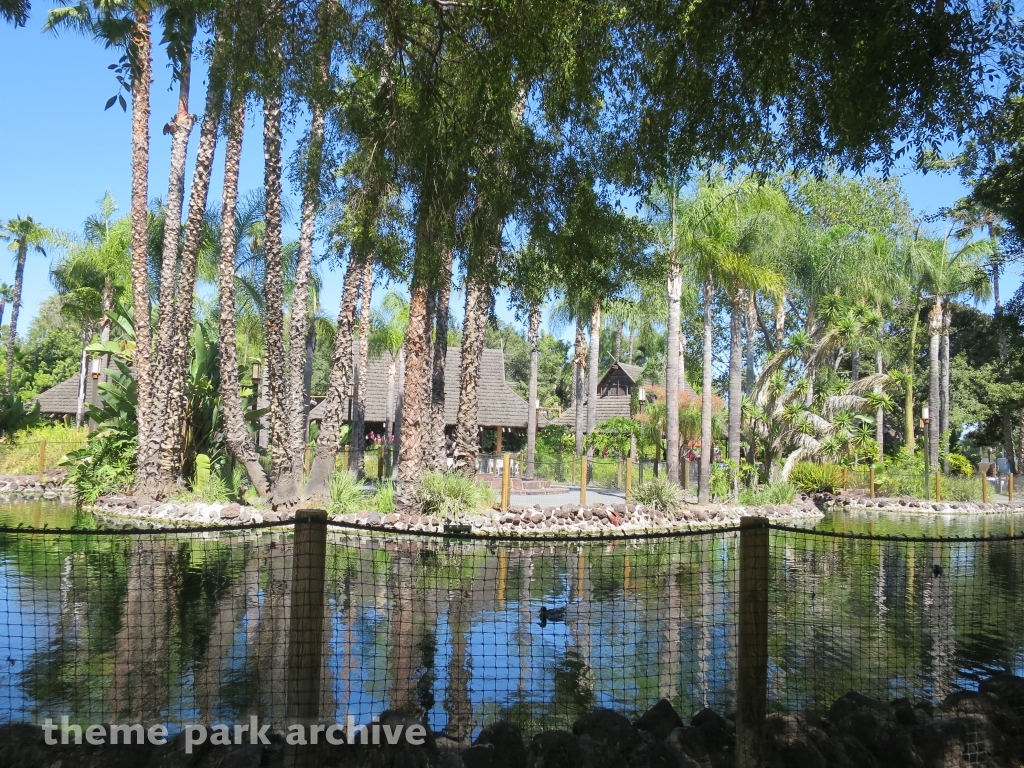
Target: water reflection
193,628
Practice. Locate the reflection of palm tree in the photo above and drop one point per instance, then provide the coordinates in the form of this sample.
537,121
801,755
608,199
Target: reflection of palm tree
460,668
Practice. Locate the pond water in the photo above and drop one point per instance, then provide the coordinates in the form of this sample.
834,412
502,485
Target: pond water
183,628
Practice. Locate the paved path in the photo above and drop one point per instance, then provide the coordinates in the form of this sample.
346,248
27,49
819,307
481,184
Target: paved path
570,496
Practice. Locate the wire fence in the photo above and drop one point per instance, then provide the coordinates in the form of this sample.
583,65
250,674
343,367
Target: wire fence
221,624
35,457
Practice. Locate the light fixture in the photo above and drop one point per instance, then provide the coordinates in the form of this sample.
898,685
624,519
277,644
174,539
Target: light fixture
256,372
926,414
537,404
643,394
95,369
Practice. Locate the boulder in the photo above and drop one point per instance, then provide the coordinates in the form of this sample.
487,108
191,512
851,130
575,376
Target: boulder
660,720
555,749
498,746
609,727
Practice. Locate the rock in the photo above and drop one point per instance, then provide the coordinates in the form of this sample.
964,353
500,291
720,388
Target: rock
373,519
653,755
1008,688
872,726
244,515
608,726
660,720
230,512
597,754
498,746
536,517
718,732
555,749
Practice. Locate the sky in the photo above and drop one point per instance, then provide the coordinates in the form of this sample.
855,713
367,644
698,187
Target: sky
60,150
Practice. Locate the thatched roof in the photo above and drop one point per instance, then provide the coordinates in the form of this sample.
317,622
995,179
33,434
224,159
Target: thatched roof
499,405
62,399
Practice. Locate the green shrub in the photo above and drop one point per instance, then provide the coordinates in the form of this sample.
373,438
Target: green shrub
961,488
810,477
449,494
894,485
774,493
960,465
384,499
14,417
347,494
658,493
720,486
211,485
105,465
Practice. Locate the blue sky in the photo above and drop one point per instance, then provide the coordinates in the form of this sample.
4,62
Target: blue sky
59,149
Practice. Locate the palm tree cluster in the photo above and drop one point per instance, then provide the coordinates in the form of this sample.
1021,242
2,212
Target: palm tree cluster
486,146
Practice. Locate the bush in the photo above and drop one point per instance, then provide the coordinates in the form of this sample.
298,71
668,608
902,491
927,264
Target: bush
894,485
960,465
105,465
817,478
961,488
449,494
658,493
14,417
347,494
774,493
384,498
212,484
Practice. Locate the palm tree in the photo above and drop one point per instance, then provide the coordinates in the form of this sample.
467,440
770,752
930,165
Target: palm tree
6,293
388,325
15,11
947,273
24,235
363,358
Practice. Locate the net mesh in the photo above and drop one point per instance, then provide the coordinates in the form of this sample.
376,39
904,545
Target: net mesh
194,625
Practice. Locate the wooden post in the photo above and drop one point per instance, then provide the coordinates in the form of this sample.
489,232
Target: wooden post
506,480
686,474
984,489
618,473
344,458
306,627
380,463
309,456
629,480
938,486
1009,485
42,458
497,441
583,480
752,675
871,480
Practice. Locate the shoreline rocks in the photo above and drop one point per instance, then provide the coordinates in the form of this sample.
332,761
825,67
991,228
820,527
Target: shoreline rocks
966,729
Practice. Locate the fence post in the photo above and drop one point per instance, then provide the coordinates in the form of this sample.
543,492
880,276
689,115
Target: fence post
1009,486
752,677
984,489
42,458
938,486
380,463
618,472
306,628
871,479
629,480
506,480
583,480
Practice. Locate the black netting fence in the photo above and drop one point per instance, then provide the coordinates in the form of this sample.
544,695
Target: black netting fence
222,624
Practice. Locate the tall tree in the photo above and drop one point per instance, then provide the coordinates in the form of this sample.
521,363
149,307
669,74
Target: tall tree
24,235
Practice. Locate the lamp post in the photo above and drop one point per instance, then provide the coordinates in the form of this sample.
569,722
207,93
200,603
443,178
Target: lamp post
926,418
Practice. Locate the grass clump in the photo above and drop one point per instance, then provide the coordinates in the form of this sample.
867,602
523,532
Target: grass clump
659,494
448,495
21,457
810,477
384,499
347,494
773,493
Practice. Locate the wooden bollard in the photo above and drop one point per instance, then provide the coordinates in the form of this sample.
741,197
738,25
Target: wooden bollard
380,464
1009,485
629,480
938,486
752,674
984,489
506,481
306,627
42,458
583,480
871,480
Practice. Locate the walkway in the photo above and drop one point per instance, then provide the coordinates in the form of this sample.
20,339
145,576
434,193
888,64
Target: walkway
569,496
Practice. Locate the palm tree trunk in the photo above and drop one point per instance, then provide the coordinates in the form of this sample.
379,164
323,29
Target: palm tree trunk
532,339
909,439
12,335
854,363
467,443
675,293
426,459
880,411
578,363
592,372
337,386
750,324
780,322
273,291
414,409
735,385
934,397
297,405
704,482
629,354
140,218
944,388
236,432
3,306
435,450
363,360
80,404
169,396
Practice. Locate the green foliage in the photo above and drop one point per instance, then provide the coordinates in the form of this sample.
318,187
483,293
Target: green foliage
773,493
447,495
811,477
14,417
384,499
720,485
960,465
22,456
658,493
615,434
347,494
